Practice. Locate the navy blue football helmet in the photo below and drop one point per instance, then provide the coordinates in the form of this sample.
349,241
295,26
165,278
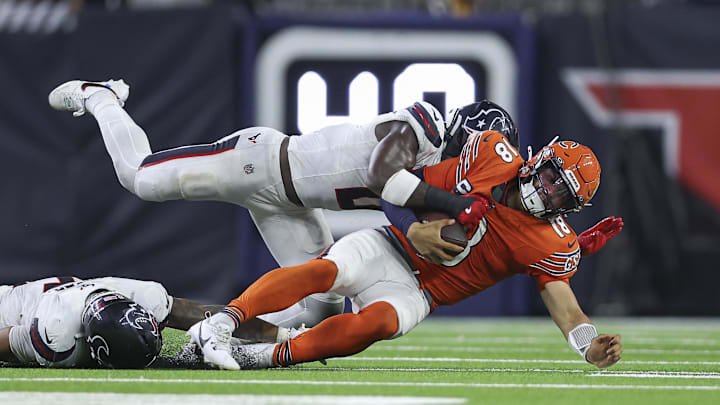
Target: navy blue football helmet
120,332
477,117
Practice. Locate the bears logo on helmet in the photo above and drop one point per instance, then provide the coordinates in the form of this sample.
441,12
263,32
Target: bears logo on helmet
562,177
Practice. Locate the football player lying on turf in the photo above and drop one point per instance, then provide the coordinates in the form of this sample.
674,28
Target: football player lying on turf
282,179
393,289
67,322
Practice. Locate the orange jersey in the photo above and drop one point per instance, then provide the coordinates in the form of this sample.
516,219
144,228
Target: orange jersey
507,242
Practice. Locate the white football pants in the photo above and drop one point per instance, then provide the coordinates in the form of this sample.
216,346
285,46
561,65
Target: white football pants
246,174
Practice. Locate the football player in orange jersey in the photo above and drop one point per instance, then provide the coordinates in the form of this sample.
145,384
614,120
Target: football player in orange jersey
281,179
393,288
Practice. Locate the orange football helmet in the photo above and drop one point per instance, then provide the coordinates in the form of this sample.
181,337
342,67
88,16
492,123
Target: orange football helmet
562,177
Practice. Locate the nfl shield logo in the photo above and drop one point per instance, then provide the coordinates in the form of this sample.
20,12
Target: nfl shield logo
249,168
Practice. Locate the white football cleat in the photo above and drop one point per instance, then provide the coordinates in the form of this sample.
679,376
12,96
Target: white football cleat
72,95
214,341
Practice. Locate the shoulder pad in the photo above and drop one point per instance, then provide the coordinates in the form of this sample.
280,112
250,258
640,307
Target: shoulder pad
429,120
53,335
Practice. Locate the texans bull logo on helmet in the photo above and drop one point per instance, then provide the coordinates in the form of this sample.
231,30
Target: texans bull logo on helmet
473,118
487,119
138,318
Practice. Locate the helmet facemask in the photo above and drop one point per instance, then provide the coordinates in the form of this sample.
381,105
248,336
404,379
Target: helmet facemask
547,190
455,135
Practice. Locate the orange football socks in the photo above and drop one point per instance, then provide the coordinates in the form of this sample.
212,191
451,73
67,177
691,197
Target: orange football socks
280,288
340,335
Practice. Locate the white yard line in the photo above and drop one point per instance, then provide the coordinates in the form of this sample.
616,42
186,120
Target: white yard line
545,324
468,338
476,360
372,383
73,398
431,370
635,374
461,349
407,348
651,374
670,351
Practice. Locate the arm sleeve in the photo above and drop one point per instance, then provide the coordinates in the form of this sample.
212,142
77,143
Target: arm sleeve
401,218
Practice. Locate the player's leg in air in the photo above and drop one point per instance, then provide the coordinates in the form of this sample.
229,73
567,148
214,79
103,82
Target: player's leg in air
387,303
241,168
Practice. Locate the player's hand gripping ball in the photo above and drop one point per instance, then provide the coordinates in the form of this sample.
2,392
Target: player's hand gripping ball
455,233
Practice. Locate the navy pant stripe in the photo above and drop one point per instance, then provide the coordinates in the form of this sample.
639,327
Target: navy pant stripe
190,151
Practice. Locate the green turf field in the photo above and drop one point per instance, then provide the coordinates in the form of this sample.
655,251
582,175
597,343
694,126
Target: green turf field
473,361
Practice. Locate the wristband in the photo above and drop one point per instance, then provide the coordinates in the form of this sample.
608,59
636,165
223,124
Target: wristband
580,338
399,187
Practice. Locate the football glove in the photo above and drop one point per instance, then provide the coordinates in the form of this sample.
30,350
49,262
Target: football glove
596,237
474,212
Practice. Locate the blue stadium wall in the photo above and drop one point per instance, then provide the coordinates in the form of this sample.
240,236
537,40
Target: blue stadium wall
198,75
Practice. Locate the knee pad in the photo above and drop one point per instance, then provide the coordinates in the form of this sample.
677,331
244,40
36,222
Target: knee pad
163,184
198,185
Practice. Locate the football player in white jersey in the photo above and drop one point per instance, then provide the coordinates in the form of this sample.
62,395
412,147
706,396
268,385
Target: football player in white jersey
284,180
68,322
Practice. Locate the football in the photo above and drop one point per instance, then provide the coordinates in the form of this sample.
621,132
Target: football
455,233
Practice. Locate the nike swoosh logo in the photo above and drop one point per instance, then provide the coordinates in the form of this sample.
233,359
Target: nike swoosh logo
49,341
468,210
202,341
572,244
486,138
434,114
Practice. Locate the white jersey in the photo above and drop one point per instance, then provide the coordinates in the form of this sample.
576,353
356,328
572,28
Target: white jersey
330,166
46,315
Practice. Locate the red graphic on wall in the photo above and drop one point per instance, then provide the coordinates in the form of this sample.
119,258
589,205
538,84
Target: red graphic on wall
685,105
